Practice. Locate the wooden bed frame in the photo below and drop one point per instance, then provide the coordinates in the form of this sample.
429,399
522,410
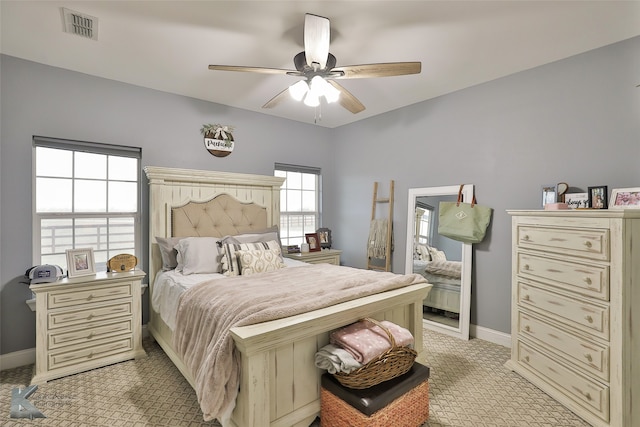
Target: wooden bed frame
280,385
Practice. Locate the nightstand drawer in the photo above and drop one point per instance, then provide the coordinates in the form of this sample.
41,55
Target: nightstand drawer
88,354
96,294
579,314
589,280
89,333
591,357
585,392
592,244
77,317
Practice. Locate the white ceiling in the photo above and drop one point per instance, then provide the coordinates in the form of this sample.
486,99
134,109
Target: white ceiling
167,45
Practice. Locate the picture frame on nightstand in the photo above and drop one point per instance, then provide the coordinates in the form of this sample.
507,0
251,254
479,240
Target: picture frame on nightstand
325,237
314,242
80,262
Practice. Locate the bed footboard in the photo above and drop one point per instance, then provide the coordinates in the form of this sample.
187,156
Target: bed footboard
280,385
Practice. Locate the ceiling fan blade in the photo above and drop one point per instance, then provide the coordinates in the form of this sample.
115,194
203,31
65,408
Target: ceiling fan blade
317,33
262,70
347,100
378,70
277,99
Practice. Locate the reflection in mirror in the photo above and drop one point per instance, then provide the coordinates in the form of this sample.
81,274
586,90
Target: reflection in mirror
444,262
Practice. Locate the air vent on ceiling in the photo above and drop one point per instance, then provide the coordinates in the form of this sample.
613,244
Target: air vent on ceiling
80,24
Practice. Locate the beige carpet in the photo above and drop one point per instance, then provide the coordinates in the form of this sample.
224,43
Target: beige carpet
469,387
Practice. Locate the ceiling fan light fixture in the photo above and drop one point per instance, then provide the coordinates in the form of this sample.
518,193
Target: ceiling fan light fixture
320,87
299,90
312,99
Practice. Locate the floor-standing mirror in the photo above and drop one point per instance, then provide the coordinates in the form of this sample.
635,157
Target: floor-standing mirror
444,262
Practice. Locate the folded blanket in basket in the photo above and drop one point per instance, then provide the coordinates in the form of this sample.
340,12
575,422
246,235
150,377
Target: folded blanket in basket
365,340
335,359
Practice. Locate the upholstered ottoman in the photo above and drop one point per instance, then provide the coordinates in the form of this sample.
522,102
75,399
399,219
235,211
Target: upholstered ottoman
400,402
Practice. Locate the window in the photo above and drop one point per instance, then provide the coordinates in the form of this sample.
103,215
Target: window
86,195
299,202
424,215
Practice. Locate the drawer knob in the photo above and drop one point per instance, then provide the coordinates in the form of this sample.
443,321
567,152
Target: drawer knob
589,319
525,237
587,244
587,280
588,396
525,297
90,335
526,358
527,328
89,317
525,267
588,357
90,355
90,297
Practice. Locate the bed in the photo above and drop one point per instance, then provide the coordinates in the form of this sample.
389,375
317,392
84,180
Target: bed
443,274
279,383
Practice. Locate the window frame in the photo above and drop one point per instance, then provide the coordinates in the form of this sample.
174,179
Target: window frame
87,147
282,167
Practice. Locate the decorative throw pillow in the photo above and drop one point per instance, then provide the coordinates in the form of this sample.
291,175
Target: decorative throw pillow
198,255
168,251
259,261
230,265
437,255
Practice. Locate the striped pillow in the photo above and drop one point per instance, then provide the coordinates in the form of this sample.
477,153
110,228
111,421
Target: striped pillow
230,264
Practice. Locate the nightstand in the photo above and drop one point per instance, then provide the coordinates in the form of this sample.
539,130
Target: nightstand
87,322
329,256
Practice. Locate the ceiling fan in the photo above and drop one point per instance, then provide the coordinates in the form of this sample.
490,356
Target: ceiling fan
318,67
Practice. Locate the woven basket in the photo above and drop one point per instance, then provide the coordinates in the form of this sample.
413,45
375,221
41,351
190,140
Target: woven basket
390,364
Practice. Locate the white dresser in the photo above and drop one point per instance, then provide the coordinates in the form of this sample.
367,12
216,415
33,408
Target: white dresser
575,284
87,322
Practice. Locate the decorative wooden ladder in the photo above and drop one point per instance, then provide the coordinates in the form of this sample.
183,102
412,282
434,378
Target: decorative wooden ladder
371,261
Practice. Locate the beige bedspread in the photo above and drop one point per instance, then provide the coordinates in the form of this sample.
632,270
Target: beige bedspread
208,311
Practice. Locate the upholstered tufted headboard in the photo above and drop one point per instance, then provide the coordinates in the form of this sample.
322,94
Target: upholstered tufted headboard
185,202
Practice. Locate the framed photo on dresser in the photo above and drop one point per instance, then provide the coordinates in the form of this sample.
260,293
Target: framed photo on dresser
314,242
625,198
598,197
80,262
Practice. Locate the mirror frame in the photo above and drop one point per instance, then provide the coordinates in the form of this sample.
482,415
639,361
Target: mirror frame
462,331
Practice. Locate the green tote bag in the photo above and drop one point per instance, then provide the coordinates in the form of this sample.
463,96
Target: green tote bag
465,222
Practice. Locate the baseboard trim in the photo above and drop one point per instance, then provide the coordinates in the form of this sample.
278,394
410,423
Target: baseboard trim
17,358
490,335
28,356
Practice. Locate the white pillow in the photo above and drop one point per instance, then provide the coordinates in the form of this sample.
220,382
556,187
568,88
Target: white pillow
437,255
198,255
259,260
230,265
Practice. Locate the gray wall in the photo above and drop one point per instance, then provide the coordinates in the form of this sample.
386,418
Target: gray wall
41,100
575,120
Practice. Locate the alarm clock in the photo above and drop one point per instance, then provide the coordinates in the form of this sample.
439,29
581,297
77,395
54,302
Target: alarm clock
46,273
122,262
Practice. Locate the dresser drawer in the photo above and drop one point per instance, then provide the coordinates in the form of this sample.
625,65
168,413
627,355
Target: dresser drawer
61,359
88,333
577,313
77,317
593,358
585,392
91,294
592,244
589,280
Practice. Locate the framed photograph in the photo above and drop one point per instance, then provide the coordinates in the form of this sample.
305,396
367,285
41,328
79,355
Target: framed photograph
80,262
549,194
577,200
325,237
598,197
314,242
625,198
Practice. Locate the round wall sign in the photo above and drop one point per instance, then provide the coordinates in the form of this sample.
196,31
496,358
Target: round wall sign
219,147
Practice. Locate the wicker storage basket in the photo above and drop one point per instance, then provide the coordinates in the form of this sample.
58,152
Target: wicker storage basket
390,364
